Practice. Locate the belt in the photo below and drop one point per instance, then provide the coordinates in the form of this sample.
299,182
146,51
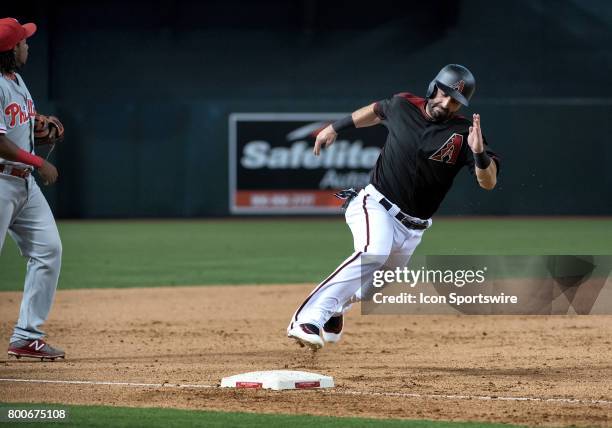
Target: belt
405,219
15,171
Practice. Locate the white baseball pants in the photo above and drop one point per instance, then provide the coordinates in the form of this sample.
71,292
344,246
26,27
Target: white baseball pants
379,240
25,214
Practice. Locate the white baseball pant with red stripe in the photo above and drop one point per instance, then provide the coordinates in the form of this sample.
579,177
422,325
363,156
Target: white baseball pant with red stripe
379,240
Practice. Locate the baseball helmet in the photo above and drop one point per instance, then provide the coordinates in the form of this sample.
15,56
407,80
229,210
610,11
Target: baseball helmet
455,81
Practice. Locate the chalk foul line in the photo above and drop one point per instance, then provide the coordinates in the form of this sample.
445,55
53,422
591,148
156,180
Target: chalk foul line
332,392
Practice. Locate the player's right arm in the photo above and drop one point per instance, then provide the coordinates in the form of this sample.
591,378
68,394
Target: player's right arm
364,117
9,151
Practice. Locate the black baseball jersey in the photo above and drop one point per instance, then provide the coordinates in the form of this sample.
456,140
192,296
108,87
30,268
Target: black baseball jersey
421,157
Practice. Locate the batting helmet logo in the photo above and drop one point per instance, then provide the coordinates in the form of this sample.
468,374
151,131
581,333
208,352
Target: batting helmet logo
459,86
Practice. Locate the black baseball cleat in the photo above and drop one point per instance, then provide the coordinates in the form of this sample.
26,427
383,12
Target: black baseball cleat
332,330
306,335
37,348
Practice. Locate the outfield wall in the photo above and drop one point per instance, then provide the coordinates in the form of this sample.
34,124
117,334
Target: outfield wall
145,93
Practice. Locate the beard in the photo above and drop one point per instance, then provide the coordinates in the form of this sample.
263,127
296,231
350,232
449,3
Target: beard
437,112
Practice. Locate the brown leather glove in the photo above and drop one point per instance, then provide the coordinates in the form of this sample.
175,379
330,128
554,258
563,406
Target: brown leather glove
47,130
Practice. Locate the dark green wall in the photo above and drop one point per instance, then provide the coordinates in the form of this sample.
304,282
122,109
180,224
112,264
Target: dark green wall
145,89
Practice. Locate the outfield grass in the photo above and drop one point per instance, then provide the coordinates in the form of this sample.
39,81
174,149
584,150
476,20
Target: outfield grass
96,416
150,253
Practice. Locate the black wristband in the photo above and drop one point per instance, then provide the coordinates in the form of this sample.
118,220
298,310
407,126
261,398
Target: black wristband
344,123
482,160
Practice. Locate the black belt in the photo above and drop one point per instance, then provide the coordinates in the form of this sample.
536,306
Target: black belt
405,219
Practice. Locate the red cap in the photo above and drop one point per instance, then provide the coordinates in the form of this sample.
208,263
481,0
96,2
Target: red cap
12,32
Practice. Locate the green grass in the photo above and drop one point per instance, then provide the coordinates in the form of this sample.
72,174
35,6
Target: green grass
150,253
96,416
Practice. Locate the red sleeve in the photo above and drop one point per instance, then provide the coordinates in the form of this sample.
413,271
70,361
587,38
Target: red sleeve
382,108
411,98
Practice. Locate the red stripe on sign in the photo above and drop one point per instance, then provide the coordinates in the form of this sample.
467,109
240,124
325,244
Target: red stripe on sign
286,198
311,384
249,384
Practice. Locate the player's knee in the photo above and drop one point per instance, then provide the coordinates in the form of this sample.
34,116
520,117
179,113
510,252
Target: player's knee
371,261
52,250
56,248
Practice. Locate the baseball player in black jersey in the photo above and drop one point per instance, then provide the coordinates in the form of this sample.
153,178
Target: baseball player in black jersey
427,145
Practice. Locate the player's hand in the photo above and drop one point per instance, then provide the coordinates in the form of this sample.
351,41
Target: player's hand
48,173
325,138
475,140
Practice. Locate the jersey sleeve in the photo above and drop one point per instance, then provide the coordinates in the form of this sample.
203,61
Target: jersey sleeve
494,158
383,107
3,99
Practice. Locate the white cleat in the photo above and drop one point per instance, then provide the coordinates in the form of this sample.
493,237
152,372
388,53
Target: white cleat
306,335
332,330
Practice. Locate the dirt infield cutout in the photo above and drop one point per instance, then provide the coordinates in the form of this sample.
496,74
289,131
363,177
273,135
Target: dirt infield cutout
170,347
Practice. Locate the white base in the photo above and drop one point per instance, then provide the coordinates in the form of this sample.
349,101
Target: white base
278,380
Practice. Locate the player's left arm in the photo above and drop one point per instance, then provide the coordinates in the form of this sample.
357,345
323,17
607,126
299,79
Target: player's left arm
485,168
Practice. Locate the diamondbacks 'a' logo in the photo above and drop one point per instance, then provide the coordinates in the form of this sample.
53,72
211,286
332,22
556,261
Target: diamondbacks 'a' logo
459,86
449,152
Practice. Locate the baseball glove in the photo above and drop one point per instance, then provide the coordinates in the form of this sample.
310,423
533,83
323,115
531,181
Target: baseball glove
47,130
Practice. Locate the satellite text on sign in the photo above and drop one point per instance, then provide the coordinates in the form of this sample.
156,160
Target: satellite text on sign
273,168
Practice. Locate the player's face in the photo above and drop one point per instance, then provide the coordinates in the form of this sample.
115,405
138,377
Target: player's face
21,53
440,107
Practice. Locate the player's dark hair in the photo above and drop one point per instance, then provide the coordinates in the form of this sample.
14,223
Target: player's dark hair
8,62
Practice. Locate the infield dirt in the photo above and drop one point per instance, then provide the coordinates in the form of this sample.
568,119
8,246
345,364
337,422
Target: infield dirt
197,335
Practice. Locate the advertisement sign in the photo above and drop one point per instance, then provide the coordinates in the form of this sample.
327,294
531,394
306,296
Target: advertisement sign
273,169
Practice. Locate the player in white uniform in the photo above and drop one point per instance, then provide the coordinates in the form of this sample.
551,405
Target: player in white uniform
24,211
428,143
